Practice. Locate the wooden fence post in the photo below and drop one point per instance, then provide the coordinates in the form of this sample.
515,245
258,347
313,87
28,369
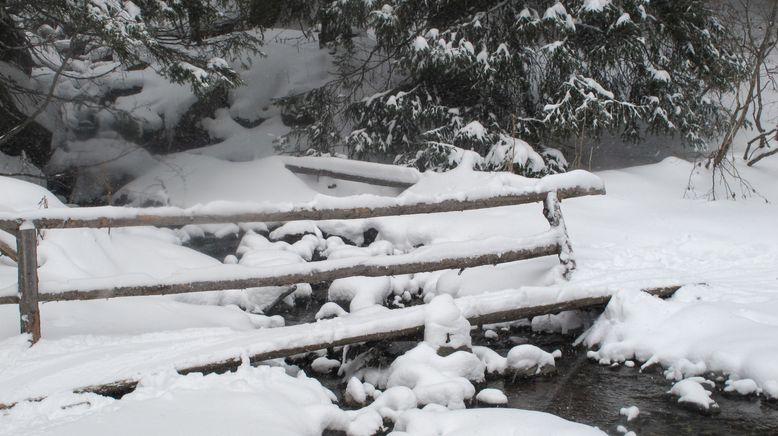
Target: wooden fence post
29,313
553,213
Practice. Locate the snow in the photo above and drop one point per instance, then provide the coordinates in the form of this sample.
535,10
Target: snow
692,391
159,104
528,358
323,365
186,180
420,43
21,168
73,254
234,142
252,398
743,387
264,267
356,168
731,335
643,234
473,130
444,325
595,5
292,64
355,391
624,19
486,422
194,172
360,292
630,412
491,396
443,380
514,151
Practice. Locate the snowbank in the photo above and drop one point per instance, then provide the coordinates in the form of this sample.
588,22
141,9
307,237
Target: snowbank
79,254
186,180
487,422
252,399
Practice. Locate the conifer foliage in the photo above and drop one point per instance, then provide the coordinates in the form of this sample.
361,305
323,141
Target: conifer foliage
70,43
486,78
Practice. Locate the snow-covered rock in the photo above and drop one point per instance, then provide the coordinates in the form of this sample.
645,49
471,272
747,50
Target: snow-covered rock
691,392
528,360
491,396
444,325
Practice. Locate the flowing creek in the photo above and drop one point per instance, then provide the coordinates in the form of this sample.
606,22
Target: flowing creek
581,390
586,392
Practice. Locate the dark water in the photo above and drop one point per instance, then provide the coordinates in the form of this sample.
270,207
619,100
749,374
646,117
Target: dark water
581,390
586,392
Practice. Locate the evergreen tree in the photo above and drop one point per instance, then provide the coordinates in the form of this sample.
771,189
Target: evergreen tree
72,42
487,75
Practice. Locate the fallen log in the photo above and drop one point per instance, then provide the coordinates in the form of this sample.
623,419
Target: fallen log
121,387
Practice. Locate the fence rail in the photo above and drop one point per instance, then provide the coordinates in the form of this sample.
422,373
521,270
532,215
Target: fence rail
109,216
25,227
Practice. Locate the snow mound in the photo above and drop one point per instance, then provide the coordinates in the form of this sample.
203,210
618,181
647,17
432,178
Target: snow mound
692,392
491,396
434,379
233,403
630,412
487,422
730,333
530,360
444,325
72,254
185,180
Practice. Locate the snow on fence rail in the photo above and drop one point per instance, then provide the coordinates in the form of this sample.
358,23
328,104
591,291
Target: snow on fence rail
463,255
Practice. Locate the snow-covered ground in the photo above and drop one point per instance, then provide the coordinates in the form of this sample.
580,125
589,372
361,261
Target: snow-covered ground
648,231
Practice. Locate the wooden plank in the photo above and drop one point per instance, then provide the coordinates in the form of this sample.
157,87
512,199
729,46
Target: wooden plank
29,312
10,299
120,387
391,265
354,170
7,250
350,177
172,217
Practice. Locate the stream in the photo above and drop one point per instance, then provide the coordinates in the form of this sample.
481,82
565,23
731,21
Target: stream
586,392
581,390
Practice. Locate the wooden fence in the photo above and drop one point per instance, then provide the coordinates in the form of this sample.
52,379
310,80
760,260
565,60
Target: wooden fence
25,228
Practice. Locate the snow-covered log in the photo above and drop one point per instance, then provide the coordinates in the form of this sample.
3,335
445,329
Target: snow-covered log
109,216
225,353
353,170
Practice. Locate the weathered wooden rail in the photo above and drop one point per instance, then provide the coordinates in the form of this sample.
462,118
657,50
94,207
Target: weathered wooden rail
25,227
337,332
